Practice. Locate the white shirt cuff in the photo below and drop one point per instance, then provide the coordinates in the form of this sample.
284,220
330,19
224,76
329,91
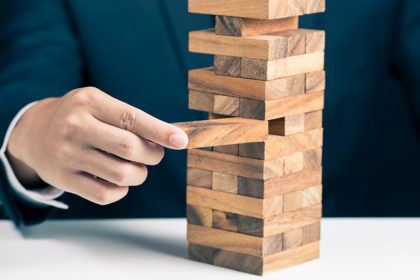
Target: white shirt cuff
44,196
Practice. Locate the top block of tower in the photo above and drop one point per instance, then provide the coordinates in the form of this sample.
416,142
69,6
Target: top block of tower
257,9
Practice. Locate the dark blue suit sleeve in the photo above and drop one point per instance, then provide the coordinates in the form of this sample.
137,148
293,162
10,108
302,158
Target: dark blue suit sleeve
408,56
39,57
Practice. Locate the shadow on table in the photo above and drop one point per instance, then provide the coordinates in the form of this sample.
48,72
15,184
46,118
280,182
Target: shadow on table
105,238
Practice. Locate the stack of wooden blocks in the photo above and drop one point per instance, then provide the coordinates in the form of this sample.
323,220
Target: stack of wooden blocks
254,168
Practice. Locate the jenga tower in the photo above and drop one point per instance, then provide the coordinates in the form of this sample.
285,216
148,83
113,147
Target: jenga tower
254,194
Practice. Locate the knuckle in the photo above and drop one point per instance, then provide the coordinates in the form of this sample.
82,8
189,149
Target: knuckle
126,147
72,124
127,120
121,175
83,97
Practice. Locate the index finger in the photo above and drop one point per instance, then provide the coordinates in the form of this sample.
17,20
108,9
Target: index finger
117,113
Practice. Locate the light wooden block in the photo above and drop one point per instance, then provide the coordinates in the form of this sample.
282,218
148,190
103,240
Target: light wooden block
227,131
242,27
272,46
311,233
277,146
228,149
198,215
292,239
257,9
235,165
233,203
313,120
260,69
294,163
312,159
282,107
225,182
199,177
205,80
315,81
311,196
278,186
292,201
288,125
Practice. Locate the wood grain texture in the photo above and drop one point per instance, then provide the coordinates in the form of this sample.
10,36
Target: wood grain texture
226,105
235,165
205,80
238,223
277,146
198,215
227,65
292,201
266,70
200,253
288,125
235,242
292,220
238,261
282,107
292,239
199,177
257,9
312,196
313,120
312,159
291,257
228,149
233,203
294,163
311,233
242,27
225,182
315,81
223,132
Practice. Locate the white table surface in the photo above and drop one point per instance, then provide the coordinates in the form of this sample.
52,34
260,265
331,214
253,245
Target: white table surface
156,249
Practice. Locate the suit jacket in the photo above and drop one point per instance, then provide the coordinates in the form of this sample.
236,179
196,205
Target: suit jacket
137,51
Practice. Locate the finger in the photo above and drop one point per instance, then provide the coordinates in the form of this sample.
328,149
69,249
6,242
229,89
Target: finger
96,190
124,116
123,144
110,168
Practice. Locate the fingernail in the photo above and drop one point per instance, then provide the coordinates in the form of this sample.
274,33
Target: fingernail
178,140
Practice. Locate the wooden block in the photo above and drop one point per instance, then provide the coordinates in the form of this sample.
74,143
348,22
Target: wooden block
241,27
198,215
315,81
200,101
313,120
262,266
291,257
292,201
311,233
292,239
278,186
264,47
233,203
260,69
292,220
315,6
282,107
225,182
288,125
238,261
200,253
257,9
292,182
228,149
235,165
226,105
223,132
199,177
258,47
315,41
277,146
311,196
204,80
238,223
294,163
312,159
227,65
235,242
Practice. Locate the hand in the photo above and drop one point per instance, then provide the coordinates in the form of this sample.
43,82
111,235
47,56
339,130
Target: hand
90,144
